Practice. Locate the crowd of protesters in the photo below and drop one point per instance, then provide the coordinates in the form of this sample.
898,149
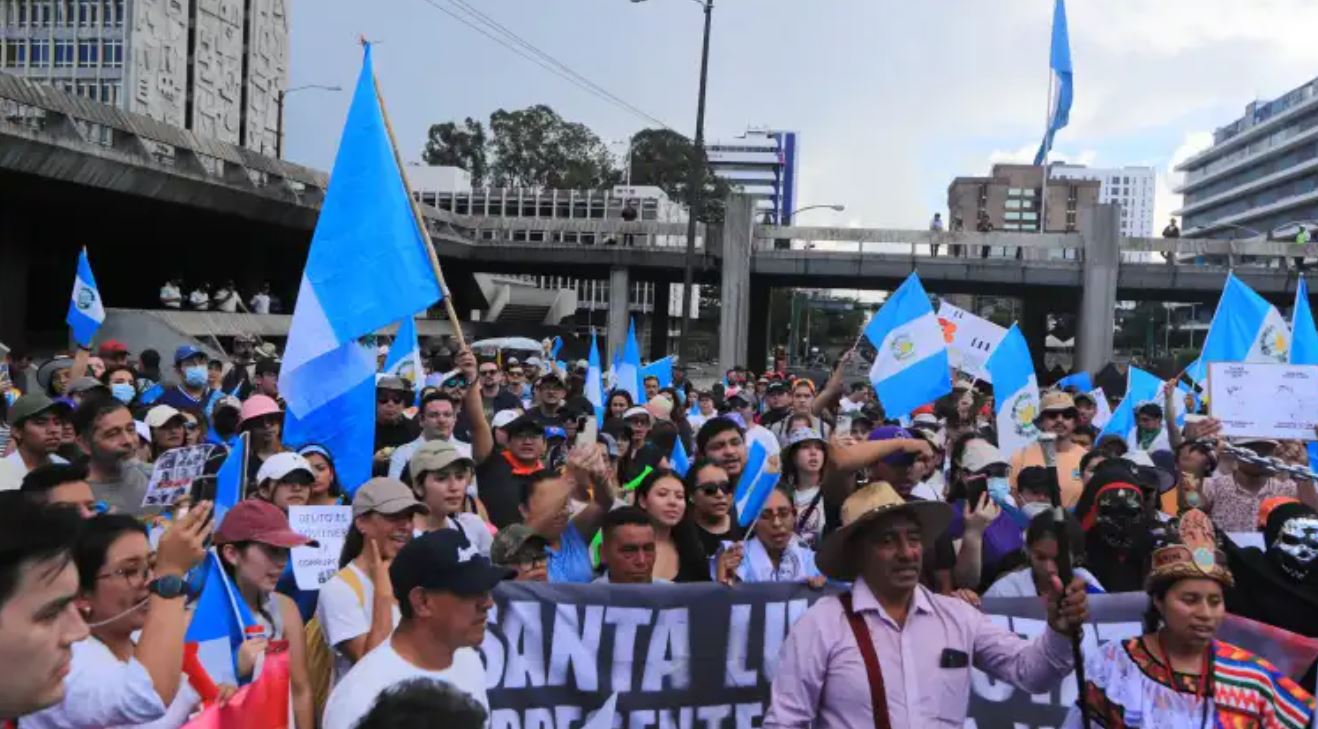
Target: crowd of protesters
494,467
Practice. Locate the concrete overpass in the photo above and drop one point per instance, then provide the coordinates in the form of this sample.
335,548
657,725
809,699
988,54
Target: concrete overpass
152,201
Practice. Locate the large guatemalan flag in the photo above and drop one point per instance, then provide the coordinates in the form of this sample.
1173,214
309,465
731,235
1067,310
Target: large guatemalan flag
368,267
1018,404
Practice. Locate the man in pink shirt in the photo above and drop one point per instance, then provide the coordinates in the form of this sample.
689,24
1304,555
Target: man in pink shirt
891,653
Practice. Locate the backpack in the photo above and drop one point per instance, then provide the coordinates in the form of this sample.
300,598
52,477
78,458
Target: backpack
320,654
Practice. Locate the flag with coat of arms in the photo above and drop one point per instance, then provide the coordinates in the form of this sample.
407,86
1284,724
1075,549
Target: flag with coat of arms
911,367
86,312
1018,405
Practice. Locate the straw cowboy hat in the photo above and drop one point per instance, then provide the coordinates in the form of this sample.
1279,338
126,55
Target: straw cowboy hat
837,555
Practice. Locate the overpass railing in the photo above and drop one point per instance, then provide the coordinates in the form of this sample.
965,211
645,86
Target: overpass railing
1040,248
571,232
43,110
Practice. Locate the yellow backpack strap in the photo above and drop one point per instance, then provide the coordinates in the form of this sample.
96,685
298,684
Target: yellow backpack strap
349,576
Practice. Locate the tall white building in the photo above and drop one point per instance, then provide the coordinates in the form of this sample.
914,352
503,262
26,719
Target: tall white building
761,163
216,67
1132,188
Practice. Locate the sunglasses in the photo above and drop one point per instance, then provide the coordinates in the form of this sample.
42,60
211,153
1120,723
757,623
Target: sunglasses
488,373
455,382
713,487
386,399
1054,414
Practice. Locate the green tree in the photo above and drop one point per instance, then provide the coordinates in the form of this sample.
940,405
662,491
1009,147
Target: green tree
535,147
663,158
459,146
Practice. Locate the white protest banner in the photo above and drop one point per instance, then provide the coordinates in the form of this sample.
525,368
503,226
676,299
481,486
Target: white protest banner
328,525
1264,400
970,339
173,473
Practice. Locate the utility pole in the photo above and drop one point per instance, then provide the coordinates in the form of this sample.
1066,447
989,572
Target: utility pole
696,185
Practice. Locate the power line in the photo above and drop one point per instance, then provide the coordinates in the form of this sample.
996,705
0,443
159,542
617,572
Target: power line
533,54
514,37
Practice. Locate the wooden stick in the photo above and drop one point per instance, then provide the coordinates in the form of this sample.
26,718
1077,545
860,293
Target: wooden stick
420,221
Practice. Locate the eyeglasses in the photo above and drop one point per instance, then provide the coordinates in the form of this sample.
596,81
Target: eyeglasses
516,373
713,487
135,576
783,514
386,399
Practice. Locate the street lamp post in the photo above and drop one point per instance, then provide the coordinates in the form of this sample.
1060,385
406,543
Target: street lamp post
695,184
837,208
279,120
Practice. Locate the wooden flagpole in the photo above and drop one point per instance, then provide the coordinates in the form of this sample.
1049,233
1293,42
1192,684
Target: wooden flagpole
416,213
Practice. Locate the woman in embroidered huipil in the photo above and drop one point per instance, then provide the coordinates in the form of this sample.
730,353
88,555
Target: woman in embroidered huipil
1178,675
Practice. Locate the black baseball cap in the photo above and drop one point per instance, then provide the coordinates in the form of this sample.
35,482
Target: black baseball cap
443,560
524,424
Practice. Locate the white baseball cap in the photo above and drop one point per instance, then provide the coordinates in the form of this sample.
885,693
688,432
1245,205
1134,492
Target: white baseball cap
157,416
504,417
980,454
279,465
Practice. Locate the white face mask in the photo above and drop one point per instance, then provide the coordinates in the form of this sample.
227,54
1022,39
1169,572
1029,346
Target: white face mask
1035,508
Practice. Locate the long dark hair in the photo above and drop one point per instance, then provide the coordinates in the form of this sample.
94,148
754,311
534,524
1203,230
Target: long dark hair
692,562
353,544
232,571
336,488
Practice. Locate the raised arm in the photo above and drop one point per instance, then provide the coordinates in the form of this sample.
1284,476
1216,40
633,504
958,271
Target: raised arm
482,438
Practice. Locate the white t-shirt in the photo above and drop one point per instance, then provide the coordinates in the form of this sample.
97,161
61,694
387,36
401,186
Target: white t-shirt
261,304
1020,583
343,617
765,437
403,453
102,691
13,469
382,668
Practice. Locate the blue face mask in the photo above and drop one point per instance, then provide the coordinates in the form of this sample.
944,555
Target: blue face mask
195,376
123,392
999,489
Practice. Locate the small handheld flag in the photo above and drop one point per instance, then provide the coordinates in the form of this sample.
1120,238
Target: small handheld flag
754,486
86,312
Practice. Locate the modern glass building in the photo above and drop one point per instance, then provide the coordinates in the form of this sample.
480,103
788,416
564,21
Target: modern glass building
1261,174
216,67
762,163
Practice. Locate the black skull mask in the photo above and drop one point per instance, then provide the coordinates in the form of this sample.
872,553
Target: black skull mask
1120,517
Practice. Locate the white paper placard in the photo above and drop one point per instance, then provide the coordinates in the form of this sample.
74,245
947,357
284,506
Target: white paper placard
1264,400
328,525
970,339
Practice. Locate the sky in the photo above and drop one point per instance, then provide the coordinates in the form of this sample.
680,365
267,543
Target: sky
892,98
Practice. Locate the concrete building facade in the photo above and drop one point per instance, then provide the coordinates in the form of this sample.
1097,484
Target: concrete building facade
215,67
1260,176
1130,188
761,163
1010,198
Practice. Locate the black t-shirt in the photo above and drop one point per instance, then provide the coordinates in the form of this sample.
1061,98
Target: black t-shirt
392,435
711,541
499,486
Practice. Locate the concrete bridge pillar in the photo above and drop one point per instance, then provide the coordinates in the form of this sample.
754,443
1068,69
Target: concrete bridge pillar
1100,227
659,321
735,287
757,345
620,284
1033,323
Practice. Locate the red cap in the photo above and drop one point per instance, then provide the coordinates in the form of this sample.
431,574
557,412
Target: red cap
113,346
923,410
259,521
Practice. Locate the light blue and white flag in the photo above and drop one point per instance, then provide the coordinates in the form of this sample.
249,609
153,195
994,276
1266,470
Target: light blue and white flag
229,480
754,486
368,267
1018,404
219,623
1245,328
1080,381
680,461
1141,387
595,380
1059,85
1102,410
627,370
1304,344
661,369
911,367
86,312
404,358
